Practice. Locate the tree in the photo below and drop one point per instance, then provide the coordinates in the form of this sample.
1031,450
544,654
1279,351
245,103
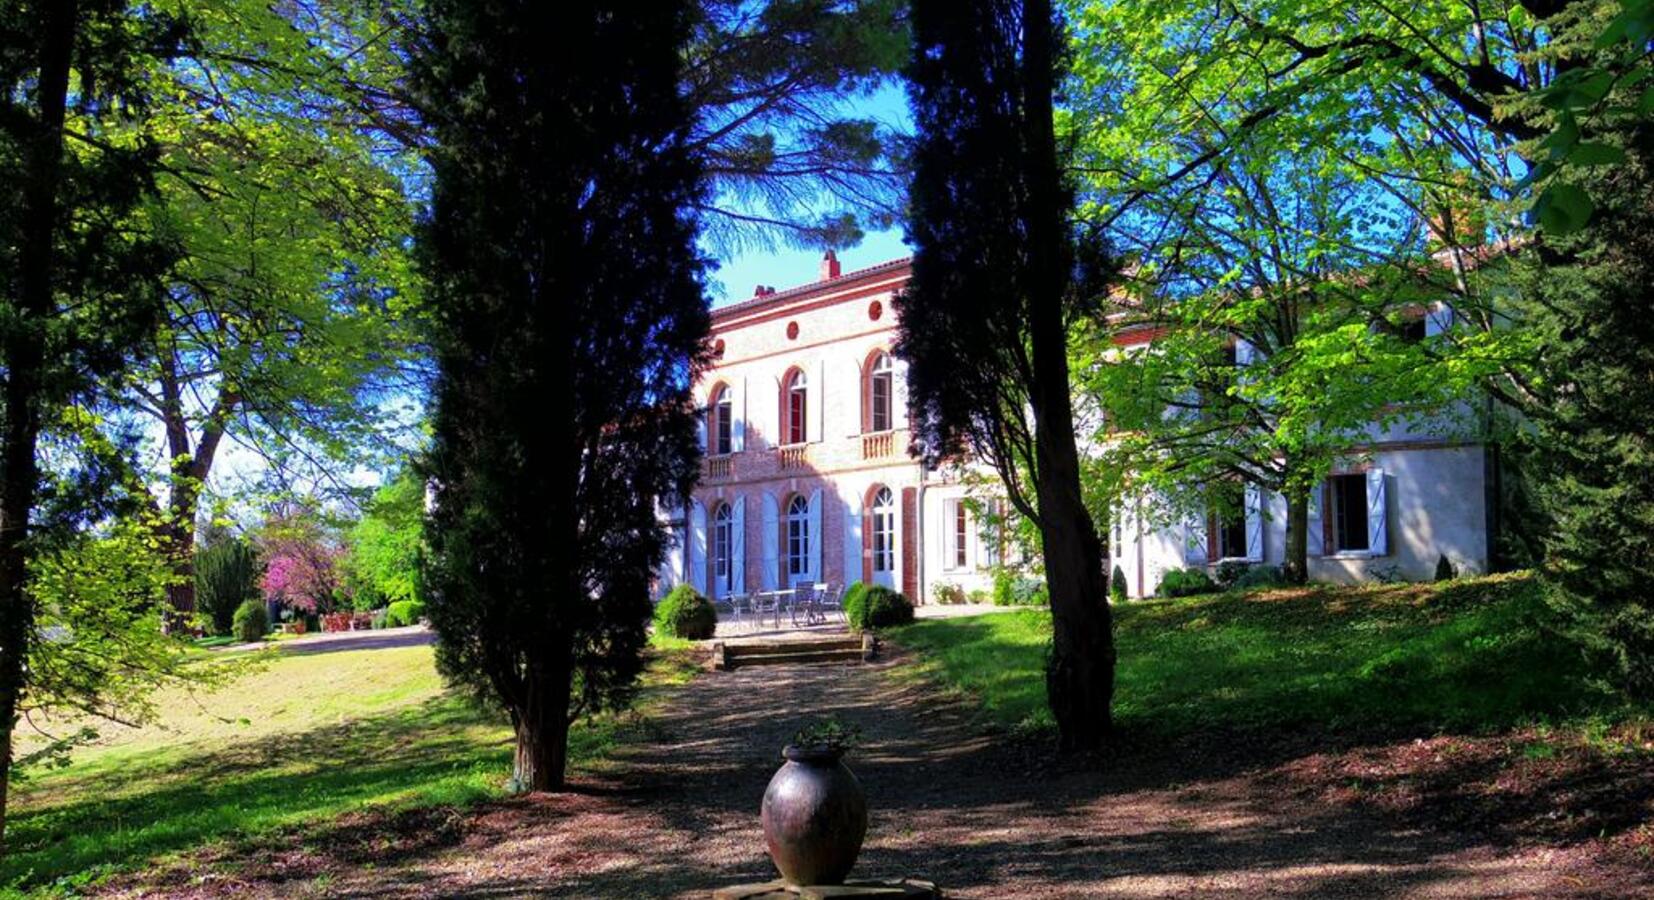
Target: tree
76,288
382,564
226,575
997,273
302,563
569,322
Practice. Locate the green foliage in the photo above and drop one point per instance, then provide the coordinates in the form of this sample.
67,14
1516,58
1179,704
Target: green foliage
251,622
948,593
1444,569
1259,576
226,574
879,607
684,613
1185,583
1470,654
1117,590
404,612
1230,571
855,603
1012,588
381,564
830,733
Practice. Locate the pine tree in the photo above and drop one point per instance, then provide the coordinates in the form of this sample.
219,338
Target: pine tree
984,320
569,323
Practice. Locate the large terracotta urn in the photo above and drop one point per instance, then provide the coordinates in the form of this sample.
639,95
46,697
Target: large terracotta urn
815,816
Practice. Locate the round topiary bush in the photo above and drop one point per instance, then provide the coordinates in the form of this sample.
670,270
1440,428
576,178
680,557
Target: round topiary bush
855,604
879,607
250,621
404,612
685,613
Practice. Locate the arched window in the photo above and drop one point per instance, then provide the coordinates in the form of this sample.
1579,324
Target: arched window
723,550
878,393
798,539
884,533
795,406
719,430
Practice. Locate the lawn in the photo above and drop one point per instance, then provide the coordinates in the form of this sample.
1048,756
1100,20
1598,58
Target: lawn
305,738
1470,655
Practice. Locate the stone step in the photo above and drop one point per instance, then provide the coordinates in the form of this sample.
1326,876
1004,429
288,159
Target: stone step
797,657
849,649
761,648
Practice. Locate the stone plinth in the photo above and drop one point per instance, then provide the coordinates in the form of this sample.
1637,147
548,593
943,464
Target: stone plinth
909,888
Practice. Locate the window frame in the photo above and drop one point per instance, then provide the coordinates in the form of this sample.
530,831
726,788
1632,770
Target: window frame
881,372
795,405
796,538
721,435
1341,517
723,549
884,513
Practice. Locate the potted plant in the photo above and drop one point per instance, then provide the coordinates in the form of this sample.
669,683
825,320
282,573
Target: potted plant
814,811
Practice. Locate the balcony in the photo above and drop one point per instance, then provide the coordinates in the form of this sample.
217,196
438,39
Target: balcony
793,456
717,468
878,446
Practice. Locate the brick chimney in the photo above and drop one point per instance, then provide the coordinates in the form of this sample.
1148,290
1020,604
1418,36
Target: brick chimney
829,266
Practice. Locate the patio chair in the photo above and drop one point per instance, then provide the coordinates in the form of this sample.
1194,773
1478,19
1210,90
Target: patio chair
766,603
807,604
832,602
733,603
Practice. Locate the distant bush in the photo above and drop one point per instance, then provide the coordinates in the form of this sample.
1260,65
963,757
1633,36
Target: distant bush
880,607
981,596
947,593
381,618
1011,589
1230,571
404,612
1117,586
1259,577
226,575
1445,570
250,621
1185,583
684,613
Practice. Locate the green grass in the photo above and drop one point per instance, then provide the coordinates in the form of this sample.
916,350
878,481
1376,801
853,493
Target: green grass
304,739
1471,654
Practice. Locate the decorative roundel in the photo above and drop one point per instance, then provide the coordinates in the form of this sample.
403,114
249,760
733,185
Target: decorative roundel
875,310
792,331
718,347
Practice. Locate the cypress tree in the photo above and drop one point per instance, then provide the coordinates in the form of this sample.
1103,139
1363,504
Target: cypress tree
569,323
226,575
996,273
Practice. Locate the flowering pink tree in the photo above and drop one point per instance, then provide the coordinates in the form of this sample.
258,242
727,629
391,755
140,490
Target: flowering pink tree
301,565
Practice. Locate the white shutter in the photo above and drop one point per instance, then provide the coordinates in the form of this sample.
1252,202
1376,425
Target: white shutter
1194,540
738,546
1378,520
818,403
1254,524
815,535
1243,353
1315,539
898,392
738,410
1438,319
697,547
852,541
858,397
700,427
770,538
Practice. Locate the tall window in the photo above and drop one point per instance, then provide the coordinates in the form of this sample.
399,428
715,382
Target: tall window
1231,527
878,393
960,535
723,546
722,421
1348,496
884,531
796,404
798,538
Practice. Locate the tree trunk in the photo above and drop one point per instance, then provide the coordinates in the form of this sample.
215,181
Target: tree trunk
24,359
542,728
1079,678
1295,567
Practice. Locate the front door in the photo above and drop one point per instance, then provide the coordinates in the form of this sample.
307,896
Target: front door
883,528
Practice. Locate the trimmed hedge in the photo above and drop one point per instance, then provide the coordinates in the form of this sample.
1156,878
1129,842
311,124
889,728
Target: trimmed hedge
878,607
404,612
250,621
684,613
1185,583
1117,586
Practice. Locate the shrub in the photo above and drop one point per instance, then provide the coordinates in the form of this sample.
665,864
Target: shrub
1444,569
946,593
981,596
226,575
250,621
1259,577
1117,586
1230,571
381,618
684,613
880,607
404,612
855,603
1011,589
1185,583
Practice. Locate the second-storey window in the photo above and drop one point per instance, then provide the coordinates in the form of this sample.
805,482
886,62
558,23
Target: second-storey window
722,423
879,393
795,403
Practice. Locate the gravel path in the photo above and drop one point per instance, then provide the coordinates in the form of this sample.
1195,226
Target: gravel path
678,816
